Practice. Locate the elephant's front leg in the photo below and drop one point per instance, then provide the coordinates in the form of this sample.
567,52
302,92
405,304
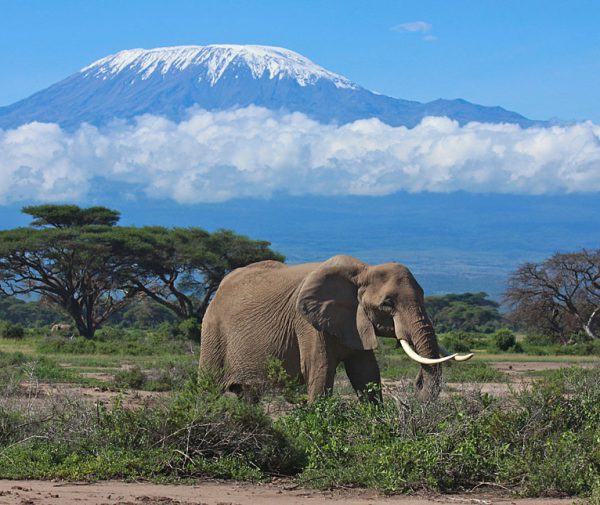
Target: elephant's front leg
362,370
319,360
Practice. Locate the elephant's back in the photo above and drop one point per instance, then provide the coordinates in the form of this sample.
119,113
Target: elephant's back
265,277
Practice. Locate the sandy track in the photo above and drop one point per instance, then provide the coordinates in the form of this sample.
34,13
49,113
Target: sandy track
215,493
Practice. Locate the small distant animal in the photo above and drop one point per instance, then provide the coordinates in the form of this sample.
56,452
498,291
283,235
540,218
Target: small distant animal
61,328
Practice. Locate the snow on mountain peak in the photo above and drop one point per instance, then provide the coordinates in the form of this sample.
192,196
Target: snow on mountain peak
276,62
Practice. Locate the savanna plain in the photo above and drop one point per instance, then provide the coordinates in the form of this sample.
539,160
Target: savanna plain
124,417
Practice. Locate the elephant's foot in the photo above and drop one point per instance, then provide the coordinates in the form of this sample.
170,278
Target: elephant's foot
245,392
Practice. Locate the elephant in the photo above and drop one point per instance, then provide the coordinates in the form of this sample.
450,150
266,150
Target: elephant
61,328
313,316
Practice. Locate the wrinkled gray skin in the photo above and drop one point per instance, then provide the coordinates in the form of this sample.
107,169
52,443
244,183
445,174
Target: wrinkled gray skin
312,317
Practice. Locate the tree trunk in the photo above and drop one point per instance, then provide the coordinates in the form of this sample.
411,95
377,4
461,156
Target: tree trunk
587,326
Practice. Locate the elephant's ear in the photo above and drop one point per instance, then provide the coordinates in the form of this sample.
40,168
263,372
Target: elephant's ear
328,299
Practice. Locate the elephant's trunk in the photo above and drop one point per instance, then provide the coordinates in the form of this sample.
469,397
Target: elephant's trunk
418,331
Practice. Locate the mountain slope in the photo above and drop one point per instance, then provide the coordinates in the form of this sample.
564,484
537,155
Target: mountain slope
167,81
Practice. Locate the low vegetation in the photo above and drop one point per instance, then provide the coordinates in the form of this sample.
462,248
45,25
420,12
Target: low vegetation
541,442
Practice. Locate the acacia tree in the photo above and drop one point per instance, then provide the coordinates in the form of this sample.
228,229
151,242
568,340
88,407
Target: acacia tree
560,295
80,261
71,258
181,268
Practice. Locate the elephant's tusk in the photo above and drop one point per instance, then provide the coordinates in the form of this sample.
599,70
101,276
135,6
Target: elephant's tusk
457,357
464,357
420,359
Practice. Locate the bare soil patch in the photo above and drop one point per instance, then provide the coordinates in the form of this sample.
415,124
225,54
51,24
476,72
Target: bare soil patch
36,492
516,369
43,391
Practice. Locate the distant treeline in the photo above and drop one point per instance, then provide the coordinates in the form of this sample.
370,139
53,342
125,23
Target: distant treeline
143,314
465,312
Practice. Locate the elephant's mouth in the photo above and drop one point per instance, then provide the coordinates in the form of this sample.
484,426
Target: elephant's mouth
384,324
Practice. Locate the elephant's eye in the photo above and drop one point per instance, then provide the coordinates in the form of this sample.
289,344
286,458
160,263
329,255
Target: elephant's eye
387,305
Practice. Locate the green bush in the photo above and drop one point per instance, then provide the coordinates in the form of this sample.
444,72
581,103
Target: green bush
133,378
17,366
171,376
456,341
590,348
504,339
116,341
197,433
189,329
539,443
11,330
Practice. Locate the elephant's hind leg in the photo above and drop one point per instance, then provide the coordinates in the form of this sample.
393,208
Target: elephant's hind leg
212,353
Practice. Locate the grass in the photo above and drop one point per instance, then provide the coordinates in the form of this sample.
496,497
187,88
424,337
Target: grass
541,442
520,357
399,367
571,374
167,362
176,361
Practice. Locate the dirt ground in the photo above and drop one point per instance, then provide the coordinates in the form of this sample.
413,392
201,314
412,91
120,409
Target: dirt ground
517,369
217,493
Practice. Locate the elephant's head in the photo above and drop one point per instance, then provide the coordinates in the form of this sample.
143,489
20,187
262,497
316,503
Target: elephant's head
356,302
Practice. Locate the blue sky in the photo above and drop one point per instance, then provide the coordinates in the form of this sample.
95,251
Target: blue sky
541,59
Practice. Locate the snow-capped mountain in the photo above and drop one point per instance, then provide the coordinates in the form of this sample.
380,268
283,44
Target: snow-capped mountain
213,62
167,81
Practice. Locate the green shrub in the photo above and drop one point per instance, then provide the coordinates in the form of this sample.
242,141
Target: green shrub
589,348
279,381
189,329
537,339
199,432
504,339
171,376
133,378
11,330
456,341
116,341
463,341
538,442
17,366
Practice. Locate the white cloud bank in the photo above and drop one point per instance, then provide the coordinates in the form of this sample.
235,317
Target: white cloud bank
215,156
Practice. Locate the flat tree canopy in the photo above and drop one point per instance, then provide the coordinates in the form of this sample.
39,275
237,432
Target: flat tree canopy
80,261
181,268
71,264
65,216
